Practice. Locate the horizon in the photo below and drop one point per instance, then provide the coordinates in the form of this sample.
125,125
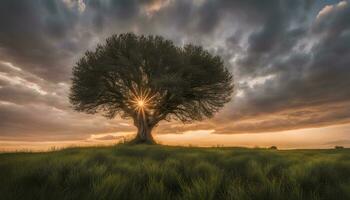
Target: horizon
286,140
289,59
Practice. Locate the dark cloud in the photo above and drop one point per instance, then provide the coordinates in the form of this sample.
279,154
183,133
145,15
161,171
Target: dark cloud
36,35
303,69
290,60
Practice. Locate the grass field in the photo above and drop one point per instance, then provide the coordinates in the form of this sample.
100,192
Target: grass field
159,172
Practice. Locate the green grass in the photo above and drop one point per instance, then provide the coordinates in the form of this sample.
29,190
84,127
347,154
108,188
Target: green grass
159,172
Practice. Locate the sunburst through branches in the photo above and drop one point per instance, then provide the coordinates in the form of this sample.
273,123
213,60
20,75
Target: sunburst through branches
142,100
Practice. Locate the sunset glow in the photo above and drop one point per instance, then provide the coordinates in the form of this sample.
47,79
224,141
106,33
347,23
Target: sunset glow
290,66
175,99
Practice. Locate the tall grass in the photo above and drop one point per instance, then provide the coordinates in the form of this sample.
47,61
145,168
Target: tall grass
158,172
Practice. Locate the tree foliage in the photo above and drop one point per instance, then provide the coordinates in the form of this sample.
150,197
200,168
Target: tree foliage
181,83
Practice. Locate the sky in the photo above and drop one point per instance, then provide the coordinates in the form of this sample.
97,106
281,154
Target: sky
290,61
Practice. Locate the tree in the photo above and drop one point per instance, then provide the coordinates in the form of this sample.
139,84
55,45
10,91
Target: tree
149,79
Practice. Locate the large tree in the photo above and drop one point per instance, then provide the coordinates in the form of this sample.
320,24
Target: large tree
149,79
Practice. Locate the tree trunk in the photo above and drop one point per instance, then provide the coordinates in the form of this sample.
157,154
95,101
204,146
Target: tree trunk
144,131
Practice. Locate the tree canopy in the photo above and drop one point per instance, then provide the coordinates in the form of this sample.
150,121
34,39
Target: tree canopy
149,79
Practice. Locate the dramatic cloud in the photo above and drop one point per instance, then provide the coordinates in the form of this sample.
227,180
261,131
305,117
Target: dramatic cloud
290,60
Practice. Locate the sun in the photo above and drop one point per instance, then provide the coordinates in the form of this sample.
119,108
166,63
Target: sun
141,100
141,103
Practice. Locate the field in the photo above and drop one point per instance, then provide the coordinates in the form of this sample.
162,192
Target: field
160,172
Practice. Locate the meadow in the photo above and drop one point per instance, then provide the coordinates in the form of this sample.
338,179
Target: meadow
161,172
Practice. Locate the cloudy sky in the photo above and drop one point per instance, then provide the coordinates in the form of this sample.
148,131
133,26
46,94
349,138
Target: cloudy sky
290,61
